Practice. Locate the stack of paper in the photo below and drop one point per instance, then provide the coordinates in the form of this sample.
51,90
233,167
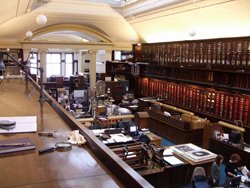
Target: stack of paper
245,171
168,151
172,160
121,138
199,155
193,153
23,124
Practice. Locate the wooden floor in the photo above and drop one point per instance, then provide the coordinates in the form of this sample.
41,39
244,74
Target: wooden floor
78,167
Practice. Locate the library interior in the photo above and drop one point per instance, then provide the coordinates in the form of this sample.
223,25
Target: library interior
125,93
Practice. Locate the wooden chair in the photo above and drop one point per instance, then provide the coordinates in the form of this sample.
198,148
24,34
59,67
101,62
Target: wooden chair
157,154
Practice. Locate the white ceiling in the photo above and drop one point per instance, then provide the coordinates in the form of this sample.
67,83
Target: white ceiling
115,22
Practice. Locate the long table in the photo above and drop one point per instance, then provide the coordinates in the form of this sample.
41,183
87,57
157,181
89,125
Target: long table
91,165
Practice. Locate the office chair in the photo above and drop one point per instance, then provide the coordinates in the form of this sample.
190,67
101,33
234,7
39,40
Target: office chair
144,139
235,182
199,178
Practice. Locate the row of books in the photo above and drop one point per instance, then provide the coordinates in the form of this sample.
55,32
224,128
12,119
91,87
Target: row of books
227,79
218,103
229,52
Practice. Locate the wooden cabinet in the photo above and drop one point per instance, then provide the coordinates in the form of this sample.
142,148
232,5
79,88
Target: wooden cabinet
79,82
141,119
175,134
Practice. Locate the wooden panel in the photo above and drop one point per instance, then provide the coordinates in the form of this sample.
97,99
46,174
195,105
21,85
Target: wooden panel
174,134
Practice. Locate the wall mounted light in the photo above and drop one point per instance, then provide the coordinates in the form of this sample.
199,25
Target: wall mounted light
132,38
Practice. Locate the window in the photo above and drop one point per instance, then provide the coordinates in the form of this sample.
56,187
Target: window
68,64
33,63
53,64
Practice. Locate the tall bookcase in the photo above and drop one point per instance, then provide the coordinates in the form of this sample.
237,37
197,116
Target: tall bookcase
232,53
211,76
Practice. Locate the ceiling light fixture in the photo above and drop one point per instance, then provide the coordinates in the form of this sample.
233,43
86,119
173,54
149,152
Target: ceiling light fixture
192,32
132,38
29,34
41,19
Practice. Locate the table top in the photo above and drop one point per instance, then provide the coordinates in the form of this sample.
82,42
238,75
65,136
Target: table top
74,168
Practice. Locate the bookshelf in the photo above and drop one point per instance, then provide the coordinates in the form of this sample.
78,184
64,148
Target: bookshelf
220,104
228,53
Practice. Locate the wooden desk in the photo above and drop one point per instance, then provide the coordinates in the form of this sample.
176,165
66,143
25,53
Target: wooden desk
205,164
174,133
226,150
92,165
177,175
154,139
167,176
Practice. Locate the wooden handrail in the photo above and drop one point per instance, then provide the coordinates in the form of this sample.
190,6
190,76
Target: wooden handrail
120,117
86,120
231,126
172,107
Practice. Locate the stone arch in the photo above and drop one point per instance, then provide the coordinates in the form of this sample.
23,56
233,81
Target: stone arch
69,27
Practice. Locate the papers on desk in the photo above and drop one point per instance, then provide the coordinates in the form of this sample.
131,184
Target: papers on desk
121,138
97,132
117,138
247,149
23,124
168,151
245,171
169,157
193,153
172,160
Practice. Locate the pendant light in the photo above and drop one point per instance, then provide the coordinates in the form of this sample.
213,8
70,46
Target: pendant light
29,34
192,32
41,19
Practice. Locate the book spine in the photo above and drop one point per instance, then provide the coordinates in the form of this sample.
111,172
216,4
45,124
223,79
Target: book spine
246,112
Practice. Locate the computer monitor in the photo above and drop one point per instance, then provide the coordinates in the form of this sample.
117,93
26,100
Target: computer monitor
234,136
133,129
236,182
125,126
